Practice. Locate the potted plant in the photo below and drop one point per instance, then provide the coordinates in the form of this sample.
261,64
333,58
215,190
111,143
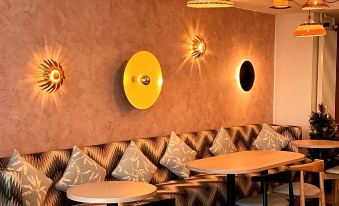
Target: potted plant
322,127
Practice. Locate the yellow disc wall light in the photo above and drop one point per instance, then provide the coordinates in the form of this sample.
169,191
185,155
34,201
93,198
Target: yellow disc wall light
142,80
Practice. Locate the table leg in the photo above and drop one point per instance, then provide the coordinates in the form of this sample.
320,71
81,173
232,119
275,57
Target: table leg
231,190
265,172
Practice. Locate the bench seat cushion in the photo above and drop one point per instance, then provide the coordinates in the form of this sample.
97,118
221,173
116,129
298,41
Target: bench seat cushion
53,164
10,188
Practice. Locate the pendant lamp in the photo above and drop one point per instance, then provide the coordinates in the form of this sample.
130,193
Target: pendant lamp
280,4
315,5
310,29
210,4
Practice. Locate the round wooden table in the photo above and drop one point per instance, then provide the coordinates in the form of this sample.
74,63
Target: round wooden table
316,144
111,192
243,163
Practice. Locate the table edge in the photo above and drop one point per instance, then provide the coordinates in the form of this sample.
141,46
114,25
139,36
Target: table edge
110,200
236,172
300,145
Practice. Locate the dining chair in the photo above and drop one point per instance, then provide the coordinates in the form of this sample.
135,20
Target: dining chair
333,174
270,199
306,190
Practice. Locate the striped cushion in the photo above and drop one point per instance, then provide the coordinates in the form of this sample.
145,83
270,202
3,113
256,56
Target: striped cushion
10,188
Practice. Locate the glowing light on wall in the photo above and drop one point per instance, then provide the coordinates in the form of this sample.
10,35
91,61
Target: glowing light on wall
51,76
246,76
198,46
194,49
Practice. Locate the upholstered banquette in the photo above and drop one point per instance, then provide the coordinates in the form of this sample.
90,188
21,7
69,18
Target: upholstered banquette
199,189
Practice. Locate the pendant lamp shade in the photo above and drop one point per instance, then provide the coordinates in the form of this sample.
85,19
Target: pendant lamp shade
210,4
310,30
280,4
315,5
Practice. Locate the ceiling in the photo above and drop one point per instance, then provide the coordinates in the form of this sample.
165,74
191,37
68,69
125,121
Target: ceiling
263,6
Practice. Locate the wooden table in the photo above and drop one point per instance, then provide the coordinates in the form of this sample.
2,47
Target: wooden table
243,163
316,144
111,192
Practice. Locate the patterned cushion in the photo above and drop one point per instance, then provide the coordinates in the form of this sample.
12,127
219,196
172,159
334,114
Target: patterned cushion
81,169
177,155
34,183
11,190
134,166
269,139
222,144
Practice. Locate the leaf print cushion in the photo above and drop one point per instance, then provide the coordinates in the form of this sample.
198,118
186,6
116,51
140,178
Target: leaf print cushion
269,139
177,155
134,166
80,169
34,183
222,144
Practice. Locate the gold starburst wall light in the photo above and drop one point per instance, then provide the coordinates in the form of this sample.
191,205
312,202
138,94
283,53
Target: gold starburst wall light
198,46
51,76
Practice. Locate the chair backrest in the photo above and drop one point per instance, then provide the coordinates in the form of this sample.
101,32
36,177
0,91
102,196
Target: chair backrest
279,177
318,167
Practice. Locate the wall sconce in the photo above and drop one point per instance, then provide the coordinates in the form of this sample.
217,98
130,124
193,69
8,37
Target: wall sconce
51,76
142,80
198,46
246,76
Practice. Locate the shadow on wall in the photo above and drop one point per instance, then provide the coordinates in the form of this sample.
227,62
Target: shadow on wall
118,91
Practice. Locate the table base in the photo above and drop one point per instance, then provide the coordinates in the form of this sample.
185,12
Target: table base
230,190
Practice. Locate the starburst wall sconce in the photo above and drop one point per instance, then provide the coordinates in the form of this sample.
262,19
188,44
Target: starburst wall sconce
51,76
198,46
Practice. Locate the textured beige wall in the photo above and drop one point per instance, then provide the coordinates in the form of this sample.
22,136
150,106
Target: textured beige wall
94,38
293,73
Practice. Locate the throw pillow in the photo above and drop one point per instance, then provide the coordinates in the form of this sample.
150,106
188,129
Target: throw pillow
269,139
177,155
34,183
222,144
134,166
11,189
80,169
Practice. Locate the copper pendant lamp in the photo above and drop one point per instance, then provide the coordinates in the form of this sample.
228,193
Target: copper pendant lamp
310,29
280,4
210,4
315,5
